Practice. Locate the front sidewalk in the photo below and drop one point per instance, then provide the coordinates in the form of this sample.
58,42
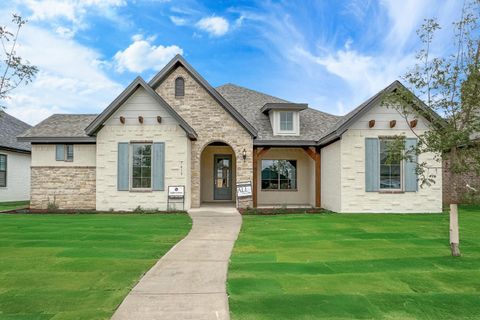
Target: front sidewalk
189,282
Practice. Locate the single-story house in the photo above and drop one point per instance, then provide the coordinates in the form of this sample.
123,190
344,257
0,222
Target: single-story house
177,130
14,160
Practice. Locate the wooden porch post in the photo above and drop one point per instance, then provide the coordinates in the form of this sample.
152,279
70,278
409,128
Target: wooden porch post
318,176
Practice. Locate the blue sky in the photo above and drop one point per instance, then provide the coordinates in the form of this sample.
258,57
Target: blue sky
330,54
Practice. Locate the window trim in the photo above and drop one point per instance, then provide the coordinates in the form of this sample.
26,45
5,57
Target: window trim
132,188
402,177
65,152
182,89
280,121
279,189
6,170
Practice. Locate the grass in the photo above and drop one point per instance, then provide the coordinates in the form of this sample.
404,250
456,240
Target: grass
12,205
78,266
365,266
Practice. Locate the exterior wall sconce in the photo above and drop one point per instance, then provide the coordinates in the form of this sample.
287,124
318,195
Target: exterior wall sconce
244,154
122,120
140,119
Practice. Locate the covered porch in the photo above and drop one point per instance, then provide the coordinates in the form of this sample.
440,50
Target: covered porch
286,176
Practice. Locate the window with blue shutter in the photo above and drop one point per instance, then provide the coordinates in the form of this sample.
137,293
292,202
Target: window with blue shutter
60,152
372,165
123,167
410,165
158,174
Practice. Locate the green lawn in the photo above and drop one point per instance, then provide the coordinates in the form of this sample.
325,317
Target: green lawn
355,267
78,266
12,205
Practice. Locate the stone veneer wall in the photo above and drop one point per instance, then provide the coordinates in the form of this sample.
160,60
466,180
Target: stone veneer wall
212,123
70,188
449,193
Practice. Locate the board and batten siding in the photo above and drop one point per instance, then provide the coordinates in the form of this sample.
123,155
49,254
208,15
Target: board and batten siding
354,196
331,177
18,177
43,155
176,162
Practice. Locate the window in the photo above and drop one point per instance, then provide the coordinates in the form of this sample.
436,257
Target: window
179,87
286,121
279,174
3,170
390,167
141,166
64,152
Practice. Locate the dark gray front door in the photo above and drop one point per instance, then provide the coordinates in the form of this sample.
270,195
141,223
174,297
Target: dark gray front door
222,180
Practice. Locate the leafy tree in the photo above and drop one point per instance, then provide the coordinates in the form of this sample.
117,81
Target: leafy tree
14,70
449,85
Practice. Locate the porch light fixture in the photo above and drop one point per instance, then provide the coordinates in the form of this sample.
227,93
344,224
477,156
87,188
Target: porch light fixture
244,154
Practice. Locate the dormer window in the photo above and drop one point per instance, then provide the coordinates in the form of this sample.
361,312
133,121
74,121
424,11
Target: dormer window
286,121
179,87
284,117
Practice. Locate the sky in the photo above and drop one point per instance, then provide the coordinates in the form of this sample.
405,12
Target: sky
331,54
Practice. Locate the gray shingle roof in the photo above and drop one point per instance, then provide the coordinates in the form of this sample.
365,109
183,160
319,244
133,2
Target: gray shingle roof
313,123
10,128
67,126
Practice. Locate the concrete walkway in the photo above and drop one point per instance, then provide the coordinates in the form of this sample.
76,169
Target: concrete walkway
189,282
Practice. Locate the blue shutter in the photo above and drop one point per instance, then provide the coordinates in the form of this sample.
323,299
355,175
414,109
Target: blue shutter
158,161
411,179
60,152
123,167
372,165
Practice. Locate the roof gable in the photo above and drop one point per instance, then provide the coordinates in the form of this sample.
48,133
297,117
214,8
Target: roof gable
96,124
179,60
10,128
346,121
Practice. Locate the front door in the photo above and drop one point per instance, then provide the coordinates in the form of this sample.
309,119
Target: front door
222,180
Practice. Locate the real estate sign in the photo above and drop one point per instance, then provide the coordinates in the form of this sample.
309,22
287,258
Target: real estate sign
244,189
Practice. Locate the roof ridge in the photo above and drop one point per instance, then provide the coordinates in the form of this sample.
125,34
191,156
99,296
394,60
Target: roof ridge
252,90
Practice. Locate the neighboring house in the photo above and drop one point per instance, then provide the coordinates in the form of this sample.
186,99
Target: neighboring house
179,130
14,160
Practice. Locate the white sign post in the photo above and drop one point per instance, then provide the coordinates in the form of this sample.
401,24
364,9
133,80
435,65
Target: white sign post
176,193
244,190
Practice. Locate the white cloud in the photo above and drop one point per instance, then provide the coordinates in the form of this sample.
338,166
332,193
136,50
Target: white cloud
71,78
215,26
141,55
71,14
178,21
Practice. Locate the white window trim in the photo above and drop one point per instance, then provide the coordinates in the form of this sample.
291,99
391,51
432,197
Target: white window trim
276,116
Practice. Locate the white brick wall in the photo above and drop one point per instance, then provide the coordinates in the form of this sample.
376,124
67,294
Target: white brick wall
353,195
177,154
331,177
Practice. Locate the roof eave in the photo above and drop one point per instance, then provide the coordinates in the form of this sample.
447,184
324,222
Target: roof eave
57,139
15,149
284,143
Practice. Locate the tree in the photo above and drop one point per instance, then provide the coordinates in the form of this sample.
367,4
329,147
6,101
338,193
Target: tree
449,85
14,70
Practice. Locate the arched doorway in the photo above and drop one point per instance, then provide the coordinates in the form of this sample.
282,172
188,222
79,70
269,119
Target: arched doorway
217,173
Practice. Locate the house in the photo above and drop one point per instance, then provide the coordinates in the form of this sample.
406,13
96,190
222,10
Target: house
179,130
14,160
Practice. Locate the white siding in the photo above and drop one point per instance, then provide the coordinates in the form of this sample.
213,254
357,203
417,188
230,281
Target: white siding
177,154
43,155
354,198
18,177
331,177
